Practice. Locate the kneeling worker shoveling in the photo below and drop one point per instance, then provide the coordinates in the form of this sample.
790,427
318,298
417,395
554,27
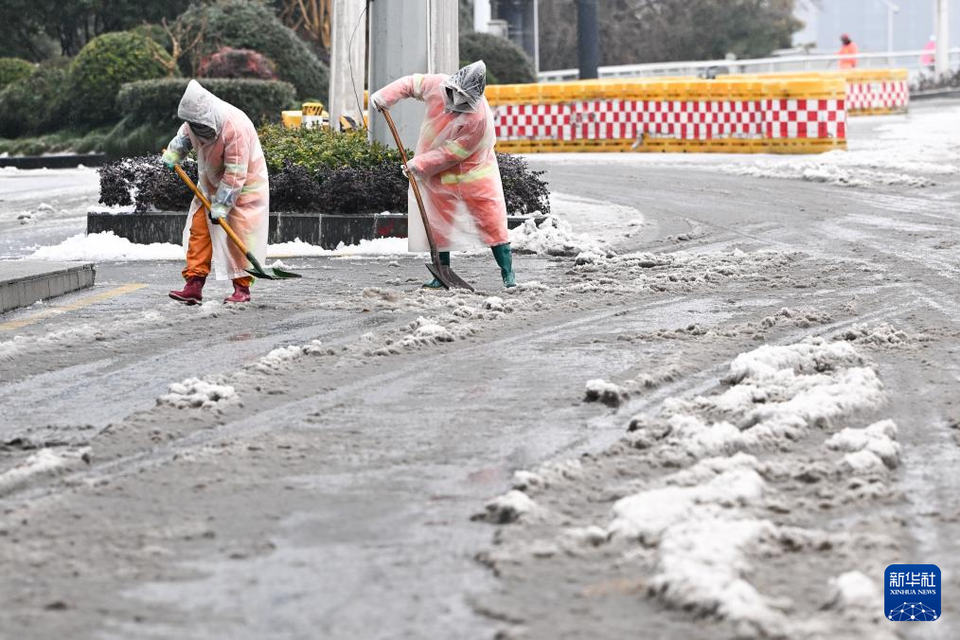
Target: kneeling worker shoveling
231,166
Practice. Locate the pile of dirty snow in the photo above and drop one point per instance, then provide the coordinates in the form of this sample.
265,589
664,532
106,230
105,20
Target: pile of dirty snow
554,237
194,393
719,469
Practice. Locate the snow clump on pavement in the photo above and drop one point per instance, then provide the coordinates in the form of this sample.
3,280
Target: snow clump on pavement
425,332
194,393
553,237
868,449
547,474
778,393
608,393
274,361
44,462
507,508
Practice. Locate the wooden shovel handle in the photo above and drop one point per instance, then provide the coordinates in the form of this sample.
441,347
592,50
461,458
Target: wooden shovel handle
206,205
434,255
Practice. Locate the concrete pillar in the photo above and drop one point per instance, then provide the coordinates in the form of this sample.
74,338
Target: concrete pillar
588,39
942,30
347,61
443,37
415,36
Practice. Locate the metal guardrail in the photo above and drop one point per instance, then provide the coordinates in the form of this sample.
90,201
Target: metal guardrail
909,60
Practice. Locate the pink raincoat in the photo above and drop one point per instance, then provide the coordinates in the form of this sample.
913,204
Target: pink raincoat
233,172
457,170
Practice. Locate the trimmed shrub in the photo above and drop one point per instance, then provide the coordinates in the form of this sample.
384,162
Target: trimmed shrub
156,187
294,189
31,105
320,148
371,189
238,63
524,190
128,139
505,61
14,69
156,101
247,24
106,64
150,109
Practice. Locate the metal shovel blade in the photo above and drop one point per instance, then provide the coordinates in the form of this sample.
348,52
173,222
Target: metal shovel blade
447,277
273,274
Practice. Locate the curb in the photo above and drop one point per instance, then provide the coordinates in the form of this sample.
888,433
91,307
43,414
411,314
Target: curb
935,93
26,281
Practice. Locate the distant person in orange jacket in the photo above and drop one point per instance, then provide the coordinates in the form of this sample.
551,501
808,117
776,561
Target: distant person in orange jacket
849,50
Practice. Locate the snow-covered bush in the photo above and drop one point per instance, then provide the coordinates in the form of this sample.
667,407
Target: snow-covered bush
146,183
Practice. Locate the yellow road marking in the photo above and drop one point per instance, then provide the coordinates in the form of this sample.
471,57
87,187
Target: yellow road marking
73,306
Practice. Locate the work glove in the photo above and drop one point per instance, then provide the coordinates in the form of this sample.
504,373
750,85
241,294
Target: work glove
170,158
377,101
218,212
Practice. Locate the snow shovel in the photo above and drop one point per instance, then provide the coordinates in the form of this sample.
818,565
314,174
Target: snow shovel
442,272
257,270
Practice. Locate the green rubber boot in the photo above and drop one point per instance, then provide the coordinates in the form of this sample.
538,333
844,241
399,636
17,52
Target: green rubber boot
436,284
504,259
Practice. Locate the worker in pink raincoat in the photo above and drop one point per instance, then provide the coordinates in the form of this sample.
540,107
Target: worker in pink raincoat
928,59
456,166
233,177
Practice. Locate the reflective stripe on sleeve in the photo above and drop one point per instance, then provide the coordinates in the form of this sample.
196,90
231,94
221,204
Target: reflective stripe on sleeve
457,149
418,85
468,177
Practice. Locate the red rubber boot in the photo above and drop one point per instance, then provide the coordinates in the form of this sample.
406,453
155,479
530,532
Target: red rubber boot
192,293
241,293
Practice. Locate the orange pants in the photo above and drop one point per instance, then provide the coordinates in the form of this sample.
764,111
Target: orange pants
200,251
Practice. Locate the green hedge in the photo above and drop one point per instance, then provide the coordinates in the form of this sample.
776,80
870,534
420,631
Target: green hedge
156,101
150,109
313,149
247,24
14,69
506,62
103,66
33,105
